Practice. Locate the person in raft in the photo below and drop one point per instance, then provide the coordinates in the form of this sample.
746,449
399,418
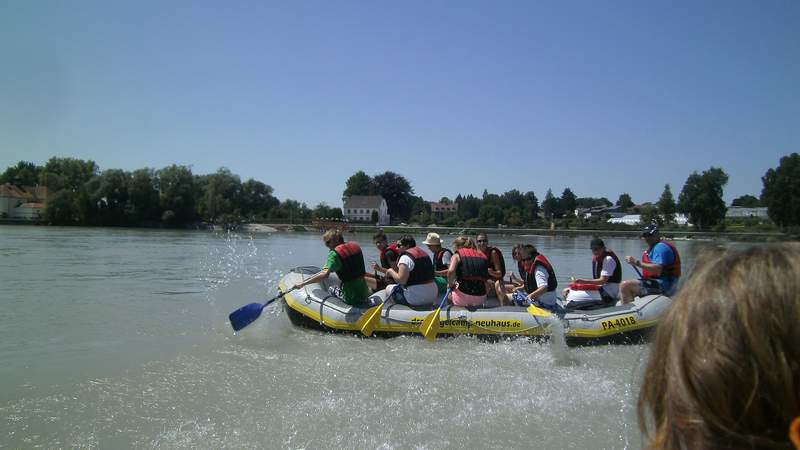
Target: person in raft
347,260
724,369
539,281
604,286
388,260
467,274
661,268
497,267
515,282
441,260
414,274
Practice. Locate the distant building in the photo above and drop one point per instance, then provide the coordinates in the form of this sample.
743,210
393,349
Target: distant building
22,202
630,219
611,211
442,210
636,219
735,212
359,208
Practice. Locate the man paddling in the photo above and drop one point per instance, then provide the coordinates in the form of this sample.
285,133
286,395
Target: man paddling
347,260
661,266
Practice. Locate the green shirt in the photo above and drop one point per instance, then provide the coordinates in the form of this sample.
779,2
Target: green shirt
353,291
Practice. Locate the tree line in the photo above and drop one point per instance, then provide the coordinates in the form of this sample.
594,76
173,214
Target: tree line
700,200
80,194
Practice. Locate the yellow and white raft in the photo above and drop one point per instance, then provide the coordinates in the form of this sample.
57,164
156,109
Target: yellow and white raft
314,306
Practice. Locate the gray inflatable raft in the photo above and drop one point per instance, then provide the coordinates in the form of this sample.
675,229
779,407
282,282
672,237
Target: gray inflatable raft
316,307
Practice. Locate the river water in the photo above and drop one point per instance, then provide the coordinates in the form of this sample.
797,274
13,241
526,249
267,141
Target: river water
119,338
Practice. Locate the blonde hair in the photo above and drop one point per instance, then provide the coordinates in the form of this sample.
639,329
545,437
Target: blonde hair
724,370
463,242
334,235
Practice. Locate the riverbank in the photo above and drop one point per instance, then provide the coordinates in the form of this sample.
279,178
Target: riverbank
525,232
509,232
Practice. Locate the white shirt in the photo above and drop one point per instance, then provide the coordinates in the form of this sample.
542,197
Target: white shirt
407,261
446,258
609,266
549,297
418,294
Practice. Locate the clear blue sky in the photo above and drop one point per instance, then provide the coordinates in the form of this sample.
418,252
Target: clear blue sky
603,97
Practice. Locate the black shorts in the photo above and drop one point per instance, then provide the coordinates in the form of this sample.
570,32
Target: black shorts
649,287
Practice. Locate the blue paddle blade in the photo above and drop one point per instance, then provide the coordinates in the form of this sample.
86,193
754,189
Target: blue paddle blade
245,315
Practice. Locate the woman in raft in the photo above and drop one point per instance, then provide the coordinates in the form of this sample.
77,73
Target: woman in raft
467,274
604,284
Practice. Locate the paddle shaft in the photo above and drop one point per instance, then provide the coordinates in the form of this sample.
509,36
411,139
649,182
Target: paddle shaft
637,271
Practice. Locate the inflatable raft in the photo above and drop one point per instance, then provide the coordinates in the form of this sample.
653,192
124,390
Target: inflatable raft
314,306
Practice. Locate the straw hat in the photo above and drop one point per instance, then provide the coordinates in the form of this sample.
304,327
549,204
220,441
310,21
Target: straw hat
432,239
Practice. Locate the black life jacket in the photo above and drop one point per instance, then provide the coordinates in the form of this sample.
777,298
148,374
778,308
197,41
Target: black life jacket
390,250
472,271
502,268
423,266
530,274
597,267
438,259
668,270
352,261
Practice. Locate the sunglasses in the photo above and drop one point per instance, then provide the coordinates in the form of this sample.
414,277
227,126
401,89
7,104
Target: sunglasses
482,240
597,248
527,259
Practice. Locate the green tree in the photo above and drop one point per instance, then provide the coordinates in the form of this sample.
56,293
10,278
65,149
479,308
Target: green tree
490,215
292,211
701,198
221,196
650,214
666,205
359,184
568,202
625,202
531,207
781,193
468,207
397,192
67,173
108,198
61,208
550,206
24,173
322,210
176,187
746,201
257,200
143,205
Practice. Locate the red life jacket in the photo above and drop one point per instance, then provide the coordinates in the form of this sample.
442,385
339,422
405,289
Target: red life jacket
423,266
352,261
530,274
472,271
502,269
438,259
390,250
668,270
597,267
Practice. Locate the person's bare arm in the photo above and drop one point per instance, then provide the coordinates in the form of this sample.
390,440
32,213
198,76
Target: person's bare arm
319,276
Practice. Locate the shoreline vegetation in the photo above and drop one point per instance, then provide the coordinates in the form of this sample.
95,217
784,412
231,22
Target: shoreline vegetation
632,232
78,193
